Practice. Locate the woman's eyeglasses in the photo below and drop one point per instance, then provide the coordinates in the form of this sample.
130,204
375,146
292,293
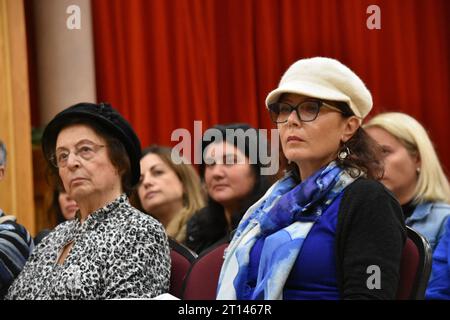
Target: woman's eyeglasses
306,111
85,152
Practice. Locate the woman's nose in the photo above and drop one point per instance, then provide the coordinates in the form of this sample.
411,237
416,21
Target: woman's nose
293,118
73,160
217,171
147,180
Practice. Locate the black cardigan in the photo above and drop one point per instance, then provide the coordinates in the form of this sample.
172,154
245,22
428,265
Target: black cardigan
370,231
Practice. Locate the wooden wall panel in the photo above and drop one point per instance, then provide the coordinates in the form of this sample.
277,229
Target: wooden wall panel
16,190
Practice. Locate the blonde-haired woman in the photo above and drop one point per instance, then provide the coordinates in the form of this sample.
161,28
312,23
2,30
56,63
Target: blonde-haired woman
413,172
171,193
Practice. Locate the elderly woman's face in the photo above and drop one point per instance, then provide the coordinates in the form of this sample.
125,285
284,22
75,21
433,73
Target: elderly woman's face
316,143
87,169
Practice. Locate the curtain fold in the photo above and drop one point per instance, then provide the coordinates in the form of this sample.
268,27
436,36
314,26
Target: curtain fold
164,64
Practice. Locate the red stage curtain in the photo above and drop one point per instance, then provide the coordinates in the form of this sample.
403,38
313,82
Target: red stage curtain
166,63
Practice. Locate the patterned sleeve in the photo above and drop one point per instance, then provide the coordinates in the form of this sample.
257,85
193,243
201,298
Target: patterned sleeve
16,245
139,266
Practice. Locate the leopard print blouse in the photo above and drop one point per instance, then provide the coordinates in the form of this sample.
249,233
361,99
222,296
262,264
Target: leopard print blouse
118,252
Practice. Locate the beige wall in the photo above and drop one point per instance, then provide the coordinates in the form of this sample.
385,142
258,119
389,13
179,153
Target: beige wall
65,57
16,190
65,74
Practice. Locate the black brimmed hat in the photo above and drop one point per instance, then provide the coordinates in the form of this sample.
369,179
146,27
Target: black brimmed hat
106,117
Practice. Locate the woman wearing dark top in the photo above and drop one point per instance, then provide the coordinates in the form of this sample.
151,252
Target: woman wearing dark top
231,187
327,230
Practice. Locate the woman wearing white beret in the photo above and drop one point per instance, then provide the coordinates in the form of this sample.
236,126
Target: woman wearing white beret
328,229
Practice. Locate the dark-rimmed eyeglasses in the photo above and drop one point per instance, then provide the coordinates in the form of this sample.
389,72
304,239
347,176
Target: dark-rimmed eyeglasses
306,111
84,151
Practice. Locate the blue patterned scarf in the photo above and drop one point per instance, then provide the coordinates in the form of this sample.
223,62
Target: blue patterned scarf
283,216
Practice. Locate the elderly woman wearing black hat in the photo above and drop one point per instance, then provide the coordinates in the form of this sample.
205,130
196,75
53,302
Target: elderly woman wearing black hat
327,230
111,250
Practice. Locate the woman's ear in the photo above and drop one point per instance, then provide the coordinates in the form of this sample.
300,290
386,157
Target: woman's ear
351,125
417,161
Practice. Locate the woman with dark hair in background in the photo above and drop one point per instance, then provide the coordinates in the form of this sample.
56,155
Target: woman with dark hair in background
233,180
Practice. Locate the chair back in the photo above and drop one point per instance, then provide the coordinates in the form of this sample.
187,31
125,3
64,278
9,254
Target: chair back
182,259
203,277
415,267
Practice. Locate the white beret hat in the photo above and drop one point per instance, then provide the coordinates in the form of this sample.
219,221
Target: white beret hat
326,79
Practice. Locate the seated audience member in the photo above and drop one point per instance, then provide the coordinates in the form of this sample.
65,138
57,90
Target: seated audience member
413,172
169,192
439,284
16,243
232,183
110,250
62,207
318,232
